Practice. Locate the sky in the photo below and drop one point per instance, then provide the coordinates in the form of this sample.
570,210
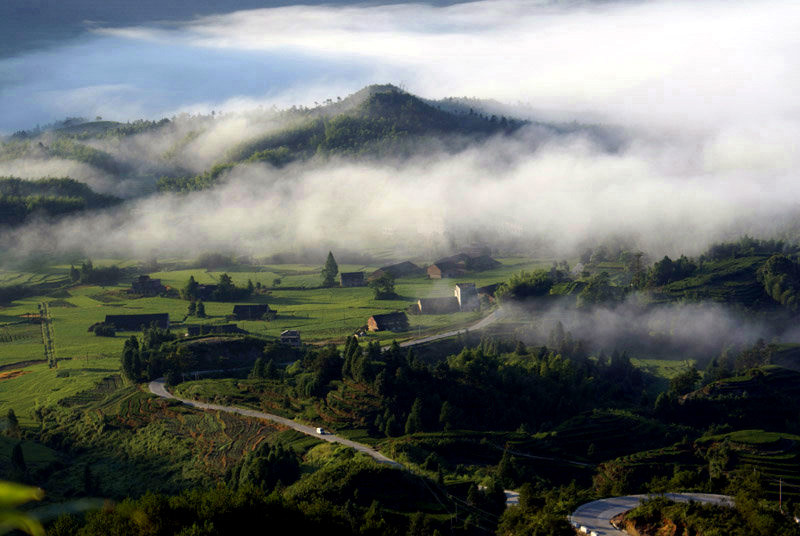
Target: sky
673,64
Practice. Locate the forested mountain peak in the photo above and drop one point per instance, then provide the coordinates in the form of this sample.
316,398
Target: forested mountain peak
379,121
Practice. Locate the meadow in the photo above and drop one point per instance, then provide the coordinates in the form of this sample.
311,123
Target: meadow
321,314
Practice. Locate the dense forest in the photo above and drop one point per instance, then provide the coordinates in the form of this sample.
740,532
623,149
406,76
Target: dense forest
21,200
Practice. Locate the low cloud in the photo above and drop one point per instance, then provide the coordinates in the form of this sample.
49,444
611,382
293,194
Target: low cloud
686,330
539,196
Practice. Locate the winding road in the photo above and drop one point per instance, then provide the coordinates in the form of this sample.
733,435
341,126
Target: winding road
595,517
158,387
489,319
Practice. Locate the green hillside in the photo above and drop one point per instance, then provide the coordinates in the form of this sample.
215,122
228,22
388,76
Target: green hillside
381,121
21,199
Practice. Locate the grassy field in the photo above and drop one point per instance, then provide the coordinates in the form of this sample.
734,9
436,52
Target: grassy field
38,385
321,315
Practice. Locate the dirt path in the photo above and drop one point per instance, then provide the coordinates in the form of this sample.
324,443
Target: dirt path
159,388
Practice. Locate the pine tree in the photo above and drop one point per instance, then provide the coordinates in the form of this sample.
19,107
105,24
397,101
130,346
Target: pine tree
414,421
201,309
192,309
130,353
330,271
258,369
270,370
190,290
13,424
74,274
447,416
18,464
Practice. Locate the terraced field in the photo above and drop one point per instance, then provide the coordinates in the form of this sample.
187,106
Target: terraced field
775,455
609,434
731,281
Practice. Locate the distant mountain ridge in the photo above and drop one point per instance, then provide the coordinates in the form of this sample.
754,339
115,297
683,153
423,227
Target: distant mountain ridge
377,121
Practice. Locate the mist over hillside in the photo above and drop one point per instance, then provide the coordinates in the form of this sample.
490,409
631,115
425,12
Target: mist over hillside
390,170
553,126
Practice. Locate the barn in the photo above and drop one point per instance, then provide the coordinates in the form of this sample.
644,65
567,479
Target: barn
443,269
467,296
352,279
388,322
250,311
291,337
401,269
138,322
459,264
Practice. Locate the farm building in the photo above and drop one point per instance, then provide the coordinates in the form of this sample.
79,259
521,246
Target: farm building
352,279
138,322
207,329
401,269
467,296
250,311
438,306
388,322
457,265
443,269
146,286
460,264
291,337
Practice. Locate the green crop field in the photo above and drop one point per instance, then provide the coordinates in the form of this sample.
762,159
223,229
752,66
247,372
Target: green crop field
39,385
321,315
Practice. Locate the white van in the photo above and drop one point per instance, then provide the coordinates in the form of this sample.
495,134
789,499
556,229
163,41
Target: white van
321,431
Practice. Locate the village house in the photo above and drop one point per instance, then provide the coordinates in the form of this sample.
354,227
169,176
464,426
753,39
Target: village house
460,264
146,286
388,322
467,296
401,269
443,269
438,306
137,322
352,279
250,311
291,337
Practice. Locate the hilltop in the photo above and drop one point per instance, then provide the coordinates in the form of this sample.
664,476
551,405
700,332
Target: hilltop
379,121
195,152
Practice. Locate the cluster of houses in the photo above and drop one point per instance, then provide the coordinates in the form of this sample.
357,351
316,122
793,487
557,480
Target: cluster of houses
455,266
139,322
466,297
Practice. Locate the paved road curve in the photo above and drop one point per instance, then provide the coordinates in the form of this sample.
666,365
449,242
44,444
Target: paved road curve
596,516
159,388
489,319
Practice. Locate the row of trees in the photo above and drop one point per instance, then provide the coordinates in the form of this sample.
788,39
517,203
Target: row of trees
88,274
225,290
